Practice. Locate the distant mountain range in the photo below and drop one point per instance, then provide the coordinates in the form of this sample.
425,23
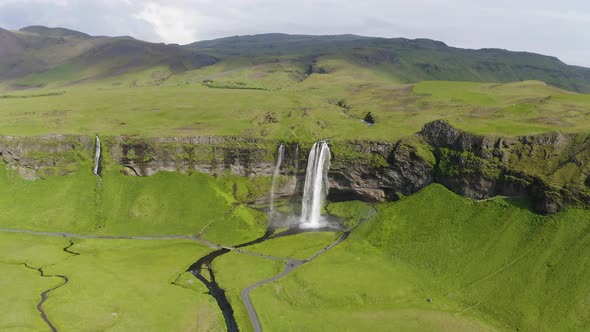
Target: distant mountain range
38,49
62,53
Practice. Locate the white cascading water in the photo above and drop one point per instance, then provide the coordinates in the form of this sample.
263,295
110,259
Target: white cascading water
275,174
97,157
316,184
296,161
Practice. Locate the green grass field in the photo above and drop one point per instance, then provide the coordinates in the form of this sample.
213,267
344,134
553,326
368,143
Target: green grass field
485,265
163,204
277,101
116,285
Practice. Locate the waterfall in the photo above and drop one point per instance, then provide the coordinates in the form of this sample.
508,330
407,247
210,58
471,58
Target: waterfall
275,174
296,161
316,184
96,169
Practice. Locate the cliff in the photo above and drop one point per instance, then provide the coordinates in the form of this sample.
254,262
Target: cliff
553,169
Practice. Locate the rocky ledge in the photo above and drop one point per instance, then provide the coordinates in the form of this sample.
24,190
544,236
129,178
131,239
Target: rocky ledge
552,168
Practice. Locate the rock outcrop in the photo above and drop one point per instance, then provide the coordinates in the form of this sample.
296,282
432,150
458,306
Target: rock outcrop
378,171
551,168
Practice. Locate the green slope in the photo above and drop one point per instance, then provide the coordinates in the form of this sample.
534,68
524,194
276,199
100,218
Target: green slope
494,261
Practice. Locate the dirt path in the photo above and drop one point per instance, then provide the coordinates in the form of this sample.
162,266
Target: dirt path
290,265
89,236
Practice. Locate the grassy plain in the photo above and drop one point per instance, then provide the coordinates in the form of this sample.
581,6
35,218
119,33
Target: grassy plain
116,285
281,101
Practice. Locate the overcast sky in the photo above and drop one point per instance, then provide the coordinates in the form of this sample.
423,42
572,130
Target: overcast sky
559,28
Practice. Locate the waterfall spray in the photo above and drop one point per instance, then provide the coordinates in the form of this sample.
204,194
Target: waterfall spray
275,174
316,184
96,169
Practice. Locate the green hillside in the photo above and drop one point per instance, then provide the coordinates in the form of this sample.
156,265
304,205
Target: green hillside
483,265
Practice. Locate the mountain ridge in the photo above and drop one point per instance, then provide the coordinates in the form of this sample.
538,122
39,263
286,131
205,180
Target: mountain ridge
37,49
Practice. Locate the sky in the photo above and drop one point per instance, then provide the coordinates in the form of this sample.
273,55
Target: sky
558,28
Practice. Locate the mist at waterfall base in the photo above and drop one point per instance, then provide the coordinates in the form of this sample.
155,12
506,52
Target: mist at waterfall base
314,193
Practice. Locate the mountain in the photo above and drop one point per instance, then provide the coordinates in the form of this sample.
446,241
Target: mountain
76,56
54,32
37,55
408,60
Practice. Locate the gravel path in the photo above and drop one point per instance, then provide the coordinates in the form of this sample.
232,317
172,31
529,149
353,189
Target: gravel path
84,236
290,265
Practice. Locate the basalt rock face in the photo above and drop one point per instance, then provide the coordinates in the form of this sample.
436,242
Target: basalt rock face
211,155
379,171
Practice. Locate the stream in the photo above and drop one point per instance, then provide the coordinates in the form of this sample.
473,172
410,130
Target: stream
202,269
204,264
45,293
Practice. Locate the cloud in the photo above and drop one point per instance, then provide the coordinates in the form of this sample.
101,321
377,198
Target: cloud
543,26
106,17
175,25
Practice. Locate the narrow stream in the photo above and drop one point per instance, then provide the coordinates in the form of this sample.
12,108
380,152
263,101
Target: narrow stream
44,294
204,264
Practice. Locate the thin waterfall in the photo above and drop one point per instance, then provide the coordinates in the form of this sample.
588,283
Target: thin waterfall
316,184
296,171
275,174
96,169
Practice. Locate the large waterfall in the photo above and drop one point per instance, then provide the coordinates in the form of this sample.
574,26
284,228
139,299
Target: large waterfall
316,184
96,169
275,174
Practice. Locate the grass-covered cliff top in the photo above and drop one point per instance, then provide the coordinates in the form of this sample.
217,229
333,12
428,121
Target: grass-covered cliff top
280,100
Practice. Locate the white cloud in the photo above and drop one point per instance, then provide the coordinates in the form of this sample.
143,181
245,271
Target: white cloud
171,24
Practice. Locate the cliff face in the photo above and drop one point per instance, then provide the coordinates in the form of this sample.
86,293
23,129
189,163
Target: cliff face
376,171
211,155
551,168
37,157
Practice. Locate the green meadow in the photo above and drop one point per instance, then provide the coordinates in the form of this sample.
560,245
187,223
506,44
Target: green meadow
116,285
